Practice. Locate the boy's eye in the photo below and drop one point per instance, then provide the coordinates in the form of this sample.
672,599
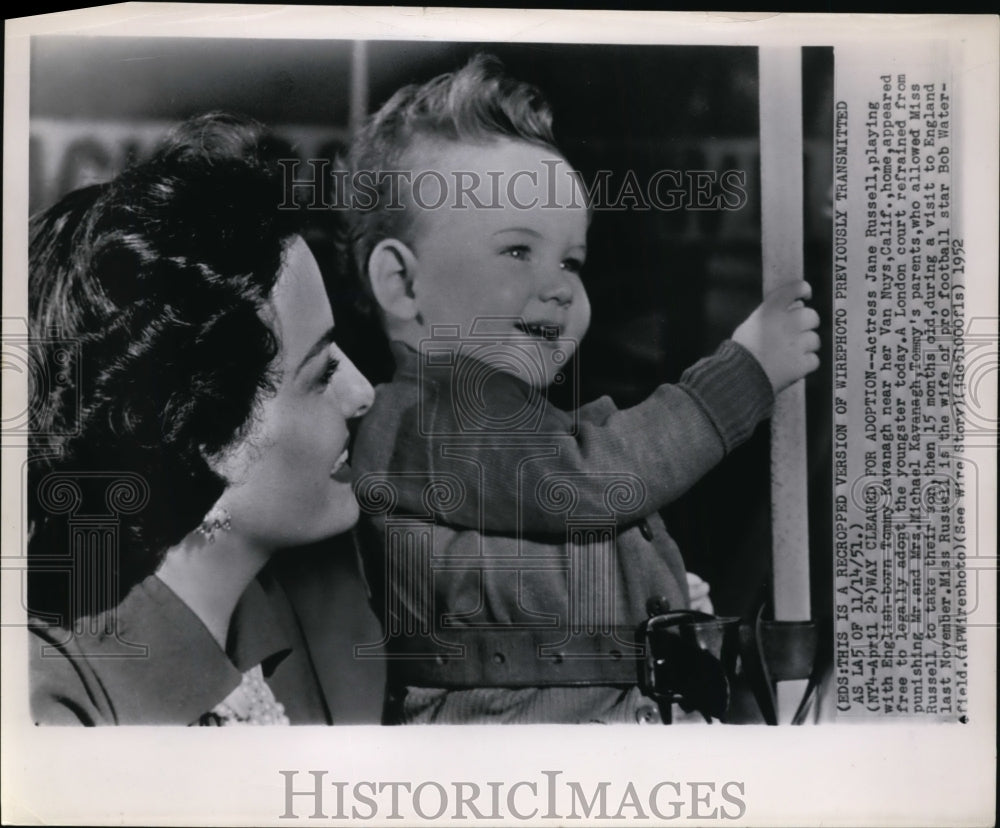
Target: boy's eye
521,252
573,265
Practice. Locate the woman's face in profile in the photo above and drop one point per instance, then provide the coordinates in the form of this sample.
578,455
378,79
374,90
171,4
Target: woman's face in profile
289,478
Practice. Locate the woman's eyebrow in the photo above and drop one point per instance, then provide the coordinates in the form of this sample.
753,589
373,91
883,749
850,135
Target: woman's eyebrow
318,347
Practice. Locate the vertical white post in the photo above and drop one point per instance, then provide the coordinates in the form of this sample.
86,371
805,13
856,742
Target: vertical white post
357,109
780,78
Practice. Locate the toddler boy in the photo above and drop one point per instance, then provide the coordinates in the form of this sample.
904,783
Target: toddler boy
517,546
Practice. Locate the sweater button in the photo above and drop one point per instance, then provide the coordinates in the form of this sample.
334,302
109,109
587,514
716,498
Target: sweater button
646,529
647,714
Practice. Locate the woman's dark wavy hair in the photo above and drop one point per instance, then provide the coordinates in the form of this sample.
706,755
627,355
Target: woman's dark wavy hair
156,285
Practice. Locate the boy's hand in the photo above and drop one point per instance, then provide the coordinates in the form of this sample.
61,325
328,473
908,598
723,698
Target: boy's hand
781,335
698,590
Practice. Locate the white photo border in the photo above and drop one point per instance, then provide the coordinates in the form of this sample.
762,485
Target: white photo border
866,774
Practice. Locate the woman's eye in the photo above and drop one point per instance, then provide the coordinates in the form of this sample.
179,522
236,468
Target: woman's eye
572,265
328,371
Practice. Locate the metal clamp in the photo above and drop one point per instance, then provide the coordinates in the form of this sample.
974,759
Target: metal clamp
690,659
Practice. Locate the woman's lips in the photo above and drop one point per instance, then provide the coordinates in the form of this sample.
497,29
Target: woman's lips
341,471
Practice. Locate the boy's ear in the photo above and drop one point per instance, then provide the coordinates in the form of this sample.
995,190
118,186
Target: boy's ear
391,267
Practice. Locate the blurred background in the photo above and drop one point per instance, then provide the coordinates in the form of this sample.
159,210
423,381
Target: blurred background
666,286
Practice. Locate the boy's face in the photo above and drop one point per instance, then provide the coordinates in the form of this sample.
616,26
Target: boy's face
510,246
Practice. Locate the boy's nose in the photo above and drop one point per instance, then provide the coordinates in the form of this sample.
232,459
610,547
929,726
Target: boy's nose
557,287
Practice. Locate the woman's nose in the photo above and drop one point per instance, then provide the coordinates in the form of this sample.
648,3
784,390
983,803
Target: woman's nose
358,394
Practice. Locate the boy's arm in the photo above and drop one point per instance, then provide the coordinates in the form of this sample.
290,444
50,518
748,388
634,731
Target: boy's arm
618,464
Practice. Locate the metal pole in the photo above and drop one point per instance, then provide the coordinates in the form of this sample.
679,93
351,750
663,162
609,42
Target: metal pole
780,75
358,104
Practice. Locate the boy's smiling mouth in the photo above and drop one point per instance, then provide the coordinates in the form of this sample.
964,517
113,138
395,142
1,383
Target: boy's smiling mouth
540,330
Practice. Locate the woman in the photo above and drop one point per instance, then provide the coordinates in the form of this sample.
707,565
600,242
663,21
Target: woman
202,422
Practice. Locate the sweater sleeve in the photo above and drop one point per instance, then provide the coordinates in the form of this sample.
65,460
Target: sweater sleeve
733,391
597,461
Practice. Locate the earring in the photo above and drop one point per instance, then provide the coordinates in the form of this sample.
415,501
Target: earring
217,519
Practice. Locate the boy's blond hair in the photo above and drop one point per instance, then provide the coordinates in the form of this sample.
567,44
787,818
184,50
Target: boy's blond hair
476,104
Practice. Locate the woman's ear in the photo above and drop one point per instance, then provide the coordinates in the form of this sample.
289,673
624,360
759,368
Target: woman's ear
391,268
229,463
